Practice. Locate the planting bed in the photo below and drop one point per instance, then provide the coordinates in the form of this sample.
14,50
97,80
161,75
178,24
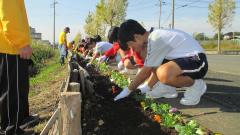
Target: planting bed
102,116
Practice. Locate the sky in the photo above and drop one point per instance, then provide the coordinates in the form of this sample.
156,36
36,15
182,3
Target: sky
190,15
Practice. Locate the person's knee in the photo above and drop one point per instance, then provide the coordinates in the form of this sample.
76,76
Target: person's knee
164,75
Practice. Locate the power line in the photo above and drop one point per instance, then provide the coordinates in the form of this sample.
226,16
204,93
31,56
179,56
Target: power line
179,6
142,5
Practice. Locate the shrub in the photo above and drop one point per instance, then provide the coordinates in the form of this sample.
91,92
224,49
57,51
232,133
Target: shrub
40,54
225,45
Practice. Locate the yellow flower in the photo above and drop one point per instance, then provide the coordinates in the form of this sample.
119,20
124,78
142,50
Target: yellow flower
142,104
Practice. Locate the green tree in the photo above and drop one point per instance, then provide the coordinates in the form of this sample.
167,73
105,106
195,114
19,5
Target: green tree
93,25
201,37
108,13
220,15
215,37
89,22
112,12
77,38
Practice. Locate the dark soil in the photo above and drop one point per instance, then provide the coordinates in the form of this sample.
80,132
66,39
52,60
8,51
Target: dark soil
103,116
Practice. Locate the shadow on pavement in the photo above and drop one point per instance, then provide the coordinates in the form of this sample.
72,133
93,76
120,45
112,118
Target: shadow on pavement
228,96
217,79
222,98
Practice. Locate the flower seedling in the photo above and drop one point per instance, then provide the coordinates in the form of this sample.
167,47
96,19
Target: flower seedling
157,118
163,113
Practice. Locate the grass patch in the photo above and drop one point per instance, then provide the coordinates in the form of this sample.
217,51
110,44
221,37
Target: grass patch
44,89
226,45
45,73
39,127
48,72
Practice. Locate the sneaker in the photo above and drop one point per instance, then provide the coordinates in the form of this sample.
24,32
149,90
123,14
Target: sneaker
144,88
29,121
160,90
193,93
124,71
120,65
2,132
10,130
29,132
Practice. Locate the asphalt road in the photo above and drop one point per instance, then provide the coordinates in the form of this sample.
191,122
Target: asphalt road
219,109
224,63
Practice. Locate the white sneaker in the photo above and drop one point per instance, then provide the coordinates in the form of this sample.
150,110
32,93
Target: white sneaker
120,65
193,93
124,71
144,88
160,90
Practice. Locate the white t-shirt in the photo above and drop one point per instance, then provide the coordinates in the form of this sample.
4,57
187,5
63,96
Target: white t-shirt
102,47
170,44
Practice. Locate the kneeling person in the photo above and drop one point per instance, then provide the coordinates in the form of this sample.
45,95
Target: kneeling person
173,59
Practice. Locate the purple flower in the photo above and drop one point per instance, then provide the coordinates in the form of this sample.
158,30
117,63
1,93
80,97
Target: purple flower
173,110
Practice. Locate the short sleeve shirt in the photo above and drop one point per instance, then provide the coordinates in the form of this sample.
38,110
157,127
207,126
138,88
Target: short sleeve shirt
169,44
102,47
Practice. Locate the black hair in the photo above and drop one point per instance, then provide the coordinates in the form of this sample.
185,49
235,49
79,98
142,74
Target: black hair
151,30
86,46
67,29
127,30
97,38
113,34
82,45
91,40
73,42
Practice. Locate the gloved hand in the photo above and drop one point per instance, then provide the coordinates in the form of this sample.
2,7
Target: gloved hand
102,58
124,93
120,65
89,65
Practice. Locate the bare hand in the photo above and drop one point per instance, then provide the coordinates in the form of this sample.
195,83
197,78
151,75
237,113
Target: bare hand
25,52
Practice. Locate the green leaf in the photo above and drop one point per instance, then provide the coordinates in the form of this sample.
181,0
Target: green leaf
192,124
200,131
154,107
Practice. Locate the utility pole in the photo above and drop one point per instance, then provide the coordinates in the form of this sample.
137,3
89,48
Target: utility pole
173,4
54,20
159,23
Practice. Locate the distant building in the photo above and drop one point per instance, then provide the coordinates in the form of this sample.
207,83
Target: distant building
35,35
38,37
231,35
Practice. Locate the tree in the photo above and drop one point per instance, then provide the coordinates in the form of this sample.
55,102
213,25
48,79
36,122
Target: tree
77,38
201,37
108,13
220,15
93,25
215,37
112,12
89,21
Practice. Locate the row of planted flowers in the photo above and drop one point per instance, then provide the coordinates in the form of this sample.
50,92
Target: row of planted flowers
162,113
